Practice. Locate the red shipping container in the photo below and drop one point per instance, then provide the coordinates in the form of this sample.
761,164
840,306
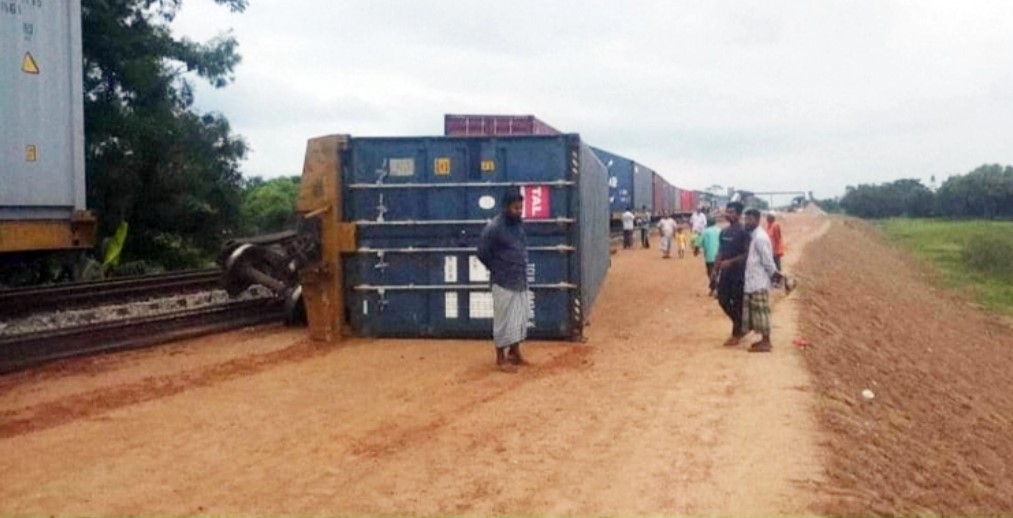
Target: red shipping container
495,125
688,203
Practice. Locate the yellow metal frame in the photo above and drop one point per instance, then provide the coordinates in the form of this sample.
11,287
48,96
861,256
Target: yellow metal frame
320,197
41,235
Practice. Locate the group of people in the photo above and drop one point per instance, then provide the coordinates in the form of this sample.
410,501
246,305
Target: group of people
743,265
639,221
747,266
673,231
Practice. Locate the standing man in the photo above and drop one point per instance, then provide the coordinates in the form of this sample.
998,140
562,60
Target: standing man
699,222
774,232
666,227
710,241
760,269
628,219
731,267
777,243
503,250
645,227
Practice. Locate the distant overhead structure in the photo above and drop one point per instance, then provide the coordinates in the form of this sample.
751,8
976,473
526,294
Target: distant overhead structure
743,195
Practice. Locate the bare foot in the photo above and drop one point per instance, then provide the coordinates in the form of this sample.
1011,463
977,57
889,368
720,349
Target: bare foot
508,368
733,341
762,346
518,360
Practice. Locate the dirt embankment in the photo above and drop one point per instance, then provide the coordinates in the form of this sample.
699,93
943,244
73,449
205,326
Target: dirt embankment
938,434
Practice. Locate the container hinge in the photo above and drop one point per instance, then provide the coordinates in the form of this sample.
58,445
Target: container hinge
380,263
382,172
381,209
381,304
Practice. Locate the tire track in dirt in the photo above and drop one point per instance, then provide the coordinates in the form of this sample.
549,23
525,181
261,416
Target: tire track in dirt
84,405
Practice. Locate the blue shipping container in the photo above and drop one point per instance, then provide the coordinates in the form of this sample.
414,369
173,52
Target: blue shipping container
420,204
630,183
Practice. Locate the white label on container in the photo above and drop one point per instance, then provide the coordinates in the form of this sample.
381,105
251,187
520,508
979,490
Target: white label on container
486,202
477,272
480,304
450,305
450,269
401,166
365,307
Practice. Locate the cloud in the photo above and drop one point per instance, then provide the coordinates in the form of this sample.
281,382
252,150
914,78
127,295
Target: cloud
778,95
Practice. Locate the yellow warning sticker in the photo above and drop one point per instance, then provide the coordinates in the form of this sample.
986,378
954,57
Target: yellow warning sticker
442,166
488,166
28,64
31,153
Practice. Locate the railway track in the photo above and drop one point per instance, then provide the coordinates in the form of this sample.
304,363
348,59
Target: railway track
29,349
19,350
21,301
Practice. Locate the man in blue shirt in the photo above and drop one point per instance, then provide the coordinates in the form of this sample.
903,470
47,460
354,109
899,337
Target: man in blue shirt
710,240
731,269
503,250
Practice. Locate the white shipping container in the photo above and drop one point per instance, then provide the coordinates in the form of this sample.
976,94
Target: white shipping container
41,110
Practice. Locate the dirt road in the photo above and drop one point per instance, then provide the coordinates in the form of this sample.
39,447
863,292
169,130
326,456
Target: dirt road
651,416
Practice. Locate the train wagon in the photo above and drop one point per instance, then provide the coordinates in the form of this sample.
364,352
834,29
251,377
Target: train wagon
387,240
495,125
631,185
665,196
687,201
42,185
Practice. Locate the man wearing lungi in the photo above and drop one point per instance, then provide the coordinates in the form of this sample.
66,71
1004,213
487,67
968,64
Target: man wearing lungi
760,270
503,250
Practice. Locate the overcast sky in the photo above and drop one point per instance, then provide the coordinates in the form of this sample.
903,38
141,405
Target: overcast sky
771,95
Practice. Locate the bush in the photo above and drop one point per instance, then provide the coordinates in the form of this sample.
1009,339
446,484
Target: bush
991,254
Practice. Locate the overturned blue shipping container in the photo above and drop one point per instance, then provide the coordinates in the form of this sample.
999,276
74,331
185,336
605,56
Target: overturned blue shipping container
420,204
631,185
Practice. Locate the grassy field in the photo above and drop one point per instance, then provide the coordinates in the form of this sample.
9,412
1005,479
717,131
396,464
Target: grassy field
973,255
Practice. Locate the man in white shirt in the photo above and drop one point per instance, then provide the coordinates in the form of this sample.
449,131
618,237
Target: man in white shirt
760,270
628,220
667,227
699,223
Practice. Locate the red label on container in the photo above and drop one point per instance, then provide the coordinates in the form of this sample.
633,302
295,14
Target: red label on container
537,201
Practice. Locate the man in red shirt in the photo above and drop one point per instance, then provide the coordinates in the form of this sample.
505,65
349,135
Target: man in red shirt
774,231
777,243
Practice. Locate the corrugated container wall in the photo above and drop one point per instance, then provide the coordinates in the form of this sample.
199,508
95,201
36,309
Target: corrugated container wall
420,204
664,196
688,203
631,185
41,113
495,125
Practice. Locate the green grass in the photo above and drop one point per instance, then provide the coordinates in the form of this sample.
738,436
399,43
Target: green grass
973,255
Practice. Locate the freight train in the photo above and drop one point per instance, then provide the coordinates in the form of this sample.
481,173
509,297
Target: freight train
386,241
632,185
42,187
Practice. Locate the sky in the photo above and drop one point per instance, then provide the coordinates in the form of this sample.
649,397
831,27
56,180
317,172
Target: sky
764,96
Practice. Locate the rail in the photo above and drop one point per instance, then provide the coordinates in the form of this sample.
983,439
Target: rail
29,349
20,301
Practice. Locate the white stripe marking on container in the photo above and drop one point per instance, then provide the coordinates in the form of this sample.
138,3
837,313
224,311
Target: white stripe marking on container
480,304
450,269
477,272
450,305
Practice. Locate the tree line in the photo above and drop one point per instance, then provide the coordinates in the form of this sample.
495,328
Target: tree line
986,192
153,162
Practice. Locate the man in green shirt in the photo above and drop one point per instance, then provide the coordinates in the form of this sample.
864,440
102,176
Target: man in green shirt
710,240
